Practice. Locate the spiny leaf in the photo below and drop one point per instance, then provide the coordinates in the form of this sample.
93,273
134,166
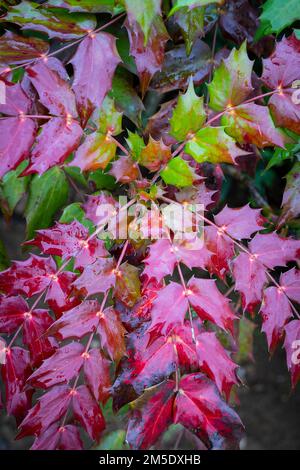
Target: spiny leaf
178,173
143,13
276,16
16,49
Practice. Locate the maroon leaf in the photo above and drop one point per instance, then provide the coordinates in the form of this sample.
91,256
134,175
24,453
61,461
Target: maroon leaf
59,437
16,49
209,303
70,438
97,376
87,412
215,362
111,332
12,310
276,311
199,407
291,345
125,170
35,325
14,373
59,294
48,409
61,367
95,57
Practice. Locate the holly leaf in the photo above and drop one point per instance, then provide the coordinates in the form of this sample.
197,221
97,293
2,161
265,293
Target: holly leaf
291,345
35,325
291,200
128,285
162,321
222,249
191,4
15,371
93,6
14,187
276,16
250,278
272,250
96,55
97,277
191,24
16,49
188,115
87,411
144,14
57,140
12,311
126,97
239,21
199,407
275,311
241,222
67,241
216,362
61,367
112,334
231,83
57,24
154,154
47,194
59,438
178,173
213,145
252,124
124,170
148,58
97,376
290,284
209,303
49,408
54,92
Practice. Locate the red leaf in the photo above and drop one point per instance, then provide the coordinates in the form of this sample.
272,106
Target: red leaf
272,250
97,376
48,409
54,92
241,222
215,362
12,311
96,56
168,310
222,248
70,240
148,58
276,311
48,439
28,277
57,140
61,367
70,438
59,292
16,49
111,332
97,277
87,412
148,423
250,278
124,170
290,283
292,344
59,437
160,261
14,373
35,325
209,303
199,407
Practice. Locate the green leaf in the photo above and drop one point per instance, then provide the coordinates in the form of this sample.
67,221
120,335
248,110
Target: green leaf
76,175
102,180
126,98
115,440
144,13
277,15
60,24
191,23
14,187
231,84
212,144
178,173
108,118
75,212
92,6
191,4
4,261
188,115
297,33
136,145
280,155
47,194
